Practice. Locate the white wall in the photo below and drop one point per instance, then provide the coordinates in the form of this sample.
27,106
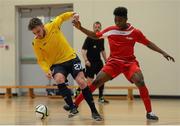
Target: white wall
158,19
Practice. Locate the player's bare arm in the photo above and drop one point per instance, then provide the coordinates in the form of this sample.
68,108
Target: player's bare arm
154,47
84,54
89,33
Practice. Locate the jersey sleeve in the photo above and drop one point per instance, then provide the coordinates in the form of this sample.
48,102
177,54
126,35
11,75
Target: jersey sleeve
141,38
103,33
85,45
44,66
62,17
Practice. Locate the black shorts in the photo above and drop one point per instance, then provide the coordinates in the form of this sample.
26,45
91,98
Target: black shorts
93,69
72,67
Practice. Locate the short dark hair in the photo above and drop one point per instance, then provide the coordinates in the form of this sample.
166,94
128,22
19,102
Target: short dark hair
34,22
121,11
97,22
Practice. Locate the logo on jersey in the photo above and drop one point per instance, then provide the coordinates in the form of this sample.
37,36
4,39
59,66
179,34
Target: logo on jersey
129,38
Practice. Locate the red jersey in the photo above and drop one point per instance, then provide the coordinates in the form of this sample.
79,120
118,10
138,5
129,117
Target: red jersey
122,41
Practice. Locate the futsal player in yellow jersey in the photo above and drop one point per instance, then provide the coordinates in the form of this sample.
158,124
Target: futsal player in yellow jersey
57,59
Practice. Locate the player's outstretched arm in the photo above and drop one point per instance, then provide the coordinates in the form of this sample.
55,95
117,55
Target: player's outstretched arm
154,47
89,33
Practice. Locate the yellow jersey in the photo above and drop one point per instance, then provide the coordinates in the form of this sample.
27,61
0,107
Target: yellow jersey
54,47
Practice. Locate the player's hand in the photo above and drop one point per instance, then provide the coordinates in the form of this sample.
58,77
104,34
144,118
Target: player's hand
77,24
87,63
49,75
168,57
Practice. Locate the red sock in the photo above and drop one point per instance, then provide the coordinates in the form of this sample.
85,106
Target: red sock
145,97
80,97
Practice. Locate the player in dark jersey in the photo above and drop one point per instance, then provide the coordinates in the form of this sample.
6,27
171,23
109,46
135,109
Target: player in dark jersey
92,50
122,38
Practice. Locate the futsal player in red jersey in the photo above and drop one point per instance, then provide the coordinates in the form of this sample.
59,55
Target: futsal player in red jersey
122,37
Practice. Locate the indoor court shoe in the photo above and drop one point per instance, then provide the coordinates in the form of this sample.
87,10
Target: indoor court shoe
96,116
102,100
66,107
151,116
73,112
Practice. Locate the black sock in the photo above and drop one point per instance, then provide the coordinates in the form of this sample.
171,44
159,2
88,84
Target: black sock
66,94
101,89
89,99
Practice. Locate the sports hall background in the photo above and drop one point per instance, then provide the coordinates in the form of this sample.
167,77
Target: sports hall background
159,20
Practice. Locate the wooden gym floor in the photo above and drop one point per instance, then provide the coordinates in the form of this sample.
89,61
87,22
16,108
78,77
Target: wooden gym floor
20,110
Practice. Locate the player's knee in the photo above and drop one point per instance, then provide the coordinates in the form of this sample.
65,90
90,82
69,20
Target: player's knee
97,82
140,82
59,78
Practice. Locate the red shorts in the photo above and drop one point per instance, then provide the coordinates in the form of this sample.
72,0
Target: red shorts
114,67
